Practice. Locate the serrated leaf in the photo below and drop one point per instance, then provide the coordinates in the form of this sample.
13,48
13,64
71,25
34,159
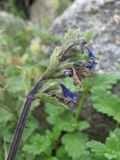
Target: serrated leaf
15,85
105,102
113,145
62,119
103,81
51,109
110,150
40,144
79,141
65,122
46,98
97,148
5,115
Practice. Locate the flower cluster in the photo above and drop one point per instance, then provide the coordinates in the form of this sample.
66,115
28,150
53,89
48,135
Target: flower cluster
79,73
91,58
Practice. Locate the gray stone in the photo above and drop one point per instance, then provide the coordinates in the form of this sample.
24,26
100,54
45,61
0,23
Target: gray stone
104,16
42,13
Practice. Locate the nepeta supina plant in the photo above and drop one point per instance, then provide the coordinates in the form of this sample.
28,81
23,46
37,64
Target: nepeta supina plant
63,62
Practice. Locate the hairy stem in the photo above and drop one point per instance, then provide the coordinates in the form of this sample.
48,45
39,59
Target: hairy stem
23,118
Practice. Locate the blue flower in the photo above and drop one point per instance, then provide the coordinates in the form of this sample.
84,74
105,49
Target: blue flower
68,93
68,73
84,41
90,53
91,65
91,56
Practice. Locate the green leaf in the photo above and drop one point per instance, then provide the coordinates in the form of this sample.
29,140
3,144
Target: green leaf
5,115
47,98
51,109
97,148
103,81
79,141
6,130
62,154
83,125
65,122
15,85
61,118
110,150
45,157
12,71
105,102
29,130
1,154
113,145
40,144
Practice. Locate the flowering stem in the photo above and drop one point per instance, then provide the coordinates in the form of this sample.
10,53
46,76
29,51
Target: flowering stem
22,120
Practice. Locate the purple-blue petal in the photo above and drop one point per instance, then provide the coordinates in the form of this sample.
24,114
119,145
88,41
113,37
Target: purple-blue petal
84,41
91,65
90,52
68,93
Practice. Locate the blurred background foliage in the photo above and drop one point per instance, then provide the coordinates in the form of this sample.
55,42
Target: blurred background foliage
35,10
24,56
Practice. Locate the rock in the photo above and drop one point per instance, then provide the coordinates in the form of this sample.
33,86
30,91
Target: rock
104,16
44,12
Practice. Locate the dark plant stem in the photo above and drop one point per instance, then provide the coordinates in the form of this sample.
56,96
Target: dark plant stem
23,118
